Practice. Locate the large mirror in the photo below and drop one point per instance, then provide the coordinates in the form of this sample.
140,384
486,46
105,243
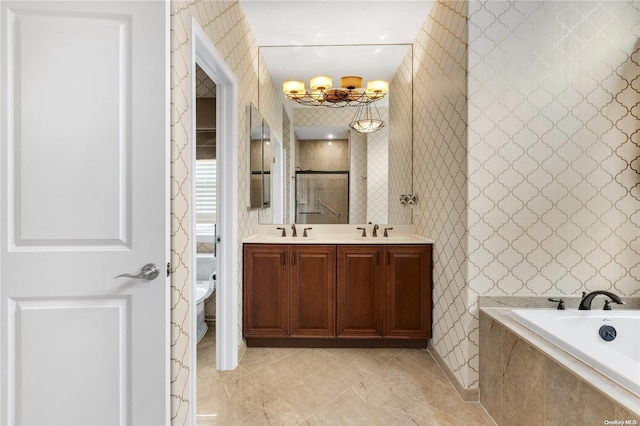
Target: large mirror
260,154
336,174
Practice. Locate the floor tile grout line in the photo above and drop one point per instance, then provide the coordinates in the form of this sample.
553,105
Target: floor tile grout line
363,375
273,362
326,404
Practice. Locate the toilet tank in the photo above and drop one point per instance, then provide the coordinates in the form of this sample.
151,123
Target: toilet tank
205,266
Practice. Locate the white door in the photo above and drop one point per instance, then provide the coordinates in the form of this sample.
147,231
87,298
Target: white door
83,198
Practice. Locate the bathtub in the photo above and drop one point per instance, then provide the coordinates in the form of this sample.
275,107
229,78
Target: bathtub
577,332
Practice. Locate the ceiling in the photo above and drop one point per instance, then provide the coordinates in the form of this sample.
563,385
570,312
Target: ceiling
299,39
303,22
335,22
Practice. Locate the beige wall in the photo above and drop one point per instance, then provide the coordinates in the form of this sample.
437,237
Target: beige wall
439,164
400,141
554,194
540,195
378,172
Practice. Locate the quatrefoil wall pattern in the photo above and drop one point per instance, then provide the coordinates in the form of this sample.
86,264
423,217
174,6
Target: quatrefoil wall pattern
439,180
529,176
554,147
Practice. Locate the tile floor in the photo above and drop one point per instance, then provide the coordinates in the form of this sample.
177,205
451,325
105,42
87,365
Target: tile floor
296,386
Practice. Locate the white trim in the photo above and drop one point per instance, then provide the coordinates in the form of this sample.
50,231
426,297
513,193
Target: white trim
277,180
209,59
167,165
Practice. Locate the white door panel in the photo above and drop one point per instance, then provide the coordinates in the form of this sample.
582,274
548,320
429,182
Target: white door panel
83,173
57,354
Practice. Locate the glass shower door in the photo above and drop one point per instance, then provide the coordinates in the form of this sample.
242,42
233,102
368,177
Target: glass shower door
322,197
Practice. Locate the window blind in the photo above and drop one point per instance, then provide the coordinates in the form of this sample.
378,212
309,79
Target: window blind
205,196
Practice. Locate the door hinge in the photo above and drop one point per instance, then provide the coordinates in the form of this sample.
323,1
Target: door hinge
168,269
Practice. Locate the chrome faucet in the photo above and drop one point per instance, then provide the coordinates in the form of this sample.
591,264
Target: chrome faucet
293,226
375,230
585,303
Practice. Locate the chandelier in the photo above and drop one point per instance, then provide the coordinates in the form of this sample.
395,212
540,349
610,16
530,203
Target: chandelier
367,119
350,92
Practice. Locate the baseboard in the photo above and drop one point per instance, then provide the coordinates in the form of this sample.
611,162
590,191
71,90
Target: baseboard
242,349
328,342
469,395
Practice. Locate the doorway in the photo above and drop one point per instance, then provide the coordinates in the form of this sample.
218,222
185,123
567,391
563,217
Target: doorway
206,56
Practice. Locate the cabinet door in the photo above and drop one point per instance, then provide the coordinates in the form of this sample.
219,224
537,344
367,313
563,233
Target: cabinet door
359,291
313,291
266,290
407,291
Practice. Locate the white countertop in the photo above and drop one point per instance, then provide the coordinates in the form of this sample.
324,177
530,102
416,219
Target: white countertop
336,234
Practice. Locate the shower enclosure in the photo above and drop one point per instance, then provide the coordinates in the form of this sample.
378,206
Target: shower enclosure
322,197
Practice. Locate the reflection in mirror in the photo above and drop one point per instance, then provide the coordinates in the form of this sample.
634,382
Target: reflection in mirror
260,154
322,181
378,166
286,149
267,161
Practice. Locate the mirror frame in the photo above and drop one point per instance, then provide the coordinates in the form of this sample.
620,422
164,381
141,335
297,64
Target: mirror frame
263,190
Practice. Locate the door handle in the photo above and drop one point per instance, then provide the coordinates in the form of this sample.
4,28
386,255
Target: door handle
148,272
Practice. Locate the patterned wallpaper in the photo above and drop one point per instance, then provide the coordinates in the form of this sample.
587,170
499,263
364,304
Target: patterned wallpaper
205,87
401,141
378,172
287,131
540,193
358,178
439,178
224,23
554,137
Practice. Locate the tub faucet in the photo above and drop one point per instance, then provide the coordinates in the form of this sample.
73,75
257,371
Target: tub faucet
585,303
293,226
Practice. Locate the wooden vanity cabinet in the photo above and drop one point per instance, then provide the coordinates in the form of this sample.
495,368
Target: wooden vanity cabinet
344,295
359,291
266,290
407,299
313,291
289,290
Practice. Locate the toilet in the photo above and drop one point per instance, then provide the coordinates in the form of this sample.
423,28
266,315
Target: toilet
205,286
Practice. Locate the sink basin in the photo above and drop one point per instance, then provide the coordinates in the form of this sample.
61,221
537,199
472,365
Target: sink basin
275,239
383,240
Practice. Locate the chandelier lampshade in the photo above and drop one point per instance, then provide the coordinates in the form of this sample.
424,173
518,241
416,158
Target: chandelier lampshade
377,89
321,82
294,89
351,82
